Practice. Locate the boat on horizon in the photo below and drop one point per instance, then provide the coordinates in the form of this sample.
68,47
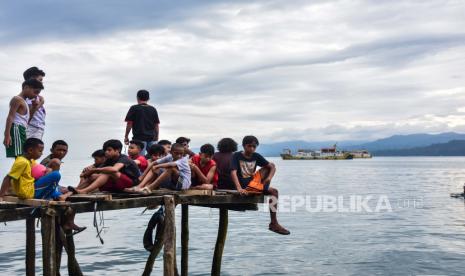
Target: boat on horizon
331,153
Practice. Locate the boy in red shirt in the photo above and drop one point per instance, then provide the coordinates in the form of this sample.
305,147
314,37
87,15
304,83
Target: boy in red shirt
203,168
134,150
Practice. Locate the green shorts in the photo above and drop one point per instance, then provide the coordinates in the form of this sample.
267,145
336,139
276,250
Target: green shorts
18,137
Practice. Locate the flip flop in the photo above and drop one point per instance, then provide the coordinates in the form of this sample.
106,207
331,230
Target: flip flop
73,190
131,190
280,230
77,231
145,191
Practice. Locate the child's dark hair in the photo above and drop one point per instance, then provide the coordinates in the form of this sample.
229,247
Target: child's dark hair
164,142
35,84
227,145
59,143
182,140
177,146
143,95
137,143
250,139
207,149
98,153
33,72
114,144
156,149
31,143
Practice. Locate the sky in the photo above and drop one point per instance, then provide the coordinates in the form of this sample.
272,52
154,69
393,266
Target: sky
281,70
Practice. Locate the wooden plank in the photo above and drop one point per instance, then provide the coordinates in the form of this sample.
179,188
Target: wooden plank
90,197
138,202
7,205
30,247
48,243
192,192
35,202
169,253
184,240
220,241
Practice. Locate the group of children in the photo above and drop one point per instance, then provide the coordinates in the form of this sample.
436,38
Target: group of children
166,165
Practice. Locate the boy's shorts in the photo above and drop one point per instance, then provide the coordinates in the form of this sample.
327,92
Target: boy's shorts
34,132
18,137
256,185
172,185
118,185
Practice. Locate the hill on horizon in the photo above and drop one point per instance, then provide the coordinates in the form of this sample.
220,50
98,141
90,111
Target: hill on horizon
395,142
451,148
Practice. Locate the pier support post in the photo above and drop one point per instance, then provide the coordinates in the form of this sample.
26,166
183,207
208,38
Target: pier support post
220,241
48,242
30,247
185,240
169,253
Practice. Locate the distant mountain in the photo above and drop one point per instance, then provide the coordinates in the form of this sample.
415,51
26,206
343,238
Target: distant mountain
451,148
409,141
395,142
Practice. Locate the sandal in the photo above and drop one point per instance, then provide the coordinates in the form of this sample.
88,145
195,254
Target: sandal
77,231
145,191
279,229
73,190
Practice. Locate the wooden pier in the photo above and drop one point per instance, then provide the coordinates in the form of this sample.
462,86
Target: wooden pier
55,238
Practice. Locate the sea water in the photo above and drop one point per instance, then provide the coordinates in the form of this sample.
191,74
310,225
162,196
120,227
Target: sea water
380,216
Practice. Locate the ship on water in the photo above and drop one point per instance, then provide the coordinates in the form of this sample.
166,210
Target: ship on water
331,153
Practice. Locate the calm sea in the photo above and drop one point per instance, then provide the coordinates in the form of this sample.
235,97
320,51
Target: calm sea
384,216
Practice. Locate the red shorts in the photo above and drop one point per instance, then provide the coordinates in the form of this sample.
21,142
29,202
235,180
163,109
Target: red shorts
118,185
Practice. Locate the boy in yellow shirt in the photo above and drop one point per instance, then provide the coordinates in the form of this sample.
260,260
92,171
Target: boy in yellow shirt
20,176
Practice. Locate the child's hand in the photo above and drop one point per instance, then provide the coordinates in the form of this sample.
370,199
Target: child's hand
7,141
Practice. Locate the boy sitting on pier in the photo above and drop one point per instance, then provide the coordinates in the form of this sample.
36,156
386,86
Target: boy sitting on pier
166,144
134,150
203,168
248,180
57,153
119,172
226,148
173,172
46,187
184,141
156,152
99,161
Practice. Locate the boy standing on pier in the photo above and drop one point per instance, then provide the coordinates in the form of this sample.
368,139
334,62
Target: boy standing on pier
36,124
143,120
248,180
18,118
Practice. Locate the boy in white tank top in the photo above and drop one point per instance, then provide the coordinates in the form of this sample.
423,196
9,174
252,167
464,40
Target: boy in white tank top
36,125
18,118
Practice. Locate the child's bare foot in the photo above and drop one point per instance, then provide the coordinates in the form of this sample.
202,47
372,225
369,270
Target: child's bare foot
275,227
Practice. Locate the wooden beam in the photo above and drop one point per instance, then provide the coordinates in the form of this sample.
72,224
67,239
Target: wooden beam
35,202
169,253
220,241
90,197
184,240
48,242
30,247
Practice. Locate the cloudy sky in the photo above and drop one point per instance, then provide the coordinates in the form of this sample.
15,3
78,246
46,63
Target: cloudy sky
311,70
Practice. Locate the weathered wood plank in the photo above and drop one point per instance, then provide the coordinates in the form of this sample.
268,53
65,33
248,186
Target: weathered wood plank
169,254
30,247
48,242
90,197
140,202
184,240
220,241
35,202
